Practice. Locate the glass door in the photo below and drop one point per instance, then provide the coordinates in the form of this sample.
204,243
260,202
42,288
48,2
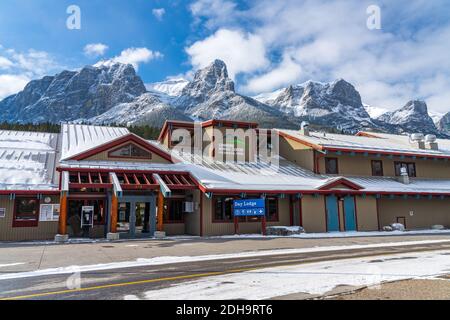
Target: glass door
123,218
142,212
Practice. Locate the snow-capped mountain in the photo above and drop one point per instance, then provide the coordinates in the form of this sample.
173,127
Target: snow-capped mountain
413,117
115,94
444,124
70,95
211,94
336,104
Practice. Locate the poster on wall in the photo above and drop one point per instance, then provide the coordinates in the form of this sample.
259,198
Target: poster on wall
49,212
2,212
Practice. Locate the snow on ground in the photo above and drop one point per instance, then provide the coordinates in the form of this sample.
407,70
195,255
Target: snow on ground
347,234
11,264
183,259
314,278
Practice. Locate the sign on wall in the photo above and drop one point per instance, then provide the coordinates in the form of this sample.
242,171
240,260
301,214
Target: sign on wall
2,212
49,212
249,207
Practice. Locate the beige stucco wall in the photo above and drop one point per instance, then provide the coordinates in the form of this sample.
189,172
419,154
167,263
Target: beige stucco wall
297,153
44,231
103,156
212,228
366,212
174,229
313,214
360,165
192,220
426,212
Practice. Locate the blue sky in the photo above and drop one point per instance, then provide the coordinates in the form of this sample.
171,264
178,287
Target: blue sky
266,44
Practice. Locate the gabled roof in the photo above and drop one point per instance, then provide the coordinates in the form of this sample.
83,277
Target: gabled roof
340,181
367,142
77,139
204,124
28,161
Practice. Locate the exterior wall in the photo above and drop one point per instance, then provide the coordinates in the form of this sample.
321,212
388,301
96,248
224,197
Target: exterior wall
366,213
192,220
426,212
226,228
361,166
103,156
44,231
297,153
313,214
174,229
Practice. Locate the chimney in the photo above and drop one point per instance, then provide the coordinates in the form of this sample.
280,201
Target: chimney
417,140
404,178
304,128
431,142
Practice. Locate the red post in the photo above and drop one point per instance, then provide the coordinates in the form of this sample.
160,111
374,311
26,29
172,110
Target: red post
263,223
236,225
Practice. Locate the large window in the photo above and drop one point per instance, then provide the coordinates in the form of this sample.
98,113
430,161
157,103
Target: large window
173,211
26,212
331,165
410,168
223,209
377,168
130,151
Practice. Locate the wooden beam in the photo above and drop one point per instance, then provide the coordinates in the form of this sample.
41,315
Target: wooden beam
160,211
114,213
63,214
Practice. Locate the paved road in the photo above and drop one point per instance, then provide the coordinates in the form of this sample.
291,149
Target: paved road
117,283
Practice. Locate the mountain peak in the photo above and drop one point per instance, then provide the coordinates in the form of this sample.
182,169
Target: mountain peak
418,106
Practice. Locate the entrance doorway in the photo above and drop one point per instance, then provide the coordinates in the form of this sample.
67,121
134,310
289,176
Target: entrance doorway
74,218
335,207
136,217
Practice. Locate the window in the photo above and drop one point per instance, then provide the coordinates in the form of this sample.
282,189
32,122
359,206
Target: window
410,168
223,209
26,212
130,151
331,165
272,209
173,211
377,168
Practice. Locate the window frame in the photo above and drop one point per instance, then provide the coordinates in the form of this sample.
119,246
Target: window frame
401,163
18,223
381,168
327,159
111,155
213,216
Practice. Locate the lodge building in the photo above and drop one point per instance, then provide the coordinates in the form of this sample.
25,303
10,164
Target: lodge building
97,182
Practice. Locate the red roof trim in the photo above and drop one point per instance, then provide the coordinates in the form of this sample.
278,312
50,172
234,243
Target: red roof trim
296,139
342,181
131,137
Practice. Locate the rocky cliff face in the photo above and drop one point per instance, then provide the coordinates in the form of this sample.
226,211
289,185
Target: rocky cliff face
115,94
70,95
413,117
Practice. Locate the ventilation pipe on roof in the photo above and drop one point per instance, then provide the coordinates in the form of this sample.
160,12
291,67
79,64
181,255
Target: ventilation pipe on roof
431,142
404,178
304,128
417,140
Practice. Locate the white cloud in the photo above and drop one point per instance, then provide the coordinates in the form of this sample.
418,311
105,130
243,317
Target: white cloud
95,49
5,63
33,63
159,13
10,84
242,52
406,59
133,56
286,73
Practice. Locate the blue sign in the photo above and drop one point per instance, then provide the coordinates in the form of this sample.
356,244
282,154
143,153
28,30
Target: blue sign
249,207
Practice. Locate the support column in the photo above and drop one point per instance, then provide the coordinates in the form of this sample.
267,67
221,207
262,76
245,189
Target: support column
63,215
114,212
160,211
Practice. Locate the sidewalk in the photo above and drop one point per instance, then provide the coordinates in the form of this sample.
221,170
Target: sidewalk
20,257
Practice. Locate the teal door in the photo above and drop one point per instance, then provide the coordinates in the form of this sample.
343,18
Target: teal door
349,212
332,213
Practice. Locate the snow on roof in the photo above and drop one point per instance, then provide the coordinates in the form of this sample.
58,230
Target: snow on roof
77,138
28,160
381,143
